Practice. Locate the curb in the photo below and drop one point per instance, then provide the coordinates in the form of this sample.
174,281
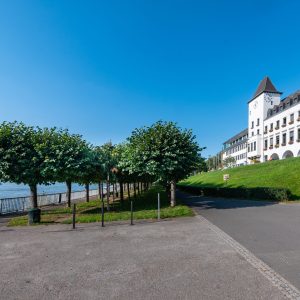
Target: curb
288,290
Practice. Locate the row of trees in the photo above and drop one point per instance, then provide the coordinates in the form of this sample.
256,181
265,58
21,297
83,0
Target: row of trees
162,152
215,162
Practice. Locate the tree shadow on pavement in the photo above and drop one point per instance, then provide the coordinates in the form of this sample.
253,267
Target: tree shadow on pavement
205,202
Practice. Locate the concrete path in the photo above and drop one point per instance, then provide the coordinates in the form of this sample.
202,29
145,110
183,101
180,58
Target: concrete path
185,258
271,231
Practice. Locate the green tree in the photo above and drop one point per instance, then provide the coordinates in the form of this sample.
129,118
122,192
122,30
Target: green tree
92,170
229,162
23,156
108,164
121,173
69,154
162,151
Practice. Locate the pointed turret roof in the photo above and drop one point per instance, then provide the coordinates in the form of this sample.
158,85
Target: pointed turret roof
265,85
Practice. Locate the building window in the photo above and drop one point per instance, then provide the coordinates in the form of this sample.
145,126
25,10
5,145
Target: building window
271,142
252,125
266,158
254,146
257,131
277,141
291,119
252,133
283,139
298,115
291,141
257,122
284,122
248,147
271,127
266,129
277,124
298,135
266,144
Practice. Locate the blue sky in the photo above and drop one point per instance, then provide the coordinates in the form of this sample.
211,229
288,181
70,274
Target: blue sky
103,68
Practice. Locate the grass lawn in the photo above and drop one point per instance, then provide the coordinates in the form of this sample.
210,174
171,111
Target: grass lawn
278,174
145,207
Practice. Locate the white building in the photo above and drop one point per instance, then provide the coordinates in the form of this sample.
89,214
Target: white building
273,128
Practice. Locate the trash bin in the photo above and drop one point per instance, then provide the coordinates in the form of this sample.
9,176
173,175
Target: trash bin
34,216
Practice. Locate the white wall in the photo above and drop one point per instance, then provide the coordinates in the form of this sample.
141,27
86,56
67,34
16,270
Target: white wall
257,113
295,147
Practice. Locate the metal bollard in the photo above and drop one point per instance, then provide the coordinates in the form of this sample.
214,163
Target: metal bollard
131,208
74,214
158,206
102,214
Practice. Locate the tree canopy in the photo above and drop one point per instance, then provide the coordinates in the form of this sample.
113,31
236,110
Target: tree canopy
162,152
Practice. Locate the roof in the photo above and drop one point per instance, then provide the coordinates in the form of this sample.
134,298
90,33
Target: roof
291,100
265,86
237,136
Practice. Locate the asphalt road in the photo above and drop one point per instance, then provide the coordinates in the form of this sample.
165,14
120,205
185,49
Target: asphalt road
270,231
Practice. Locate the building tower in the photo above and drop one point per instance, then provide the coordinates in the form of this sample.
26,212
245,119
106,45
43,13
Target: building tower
265,97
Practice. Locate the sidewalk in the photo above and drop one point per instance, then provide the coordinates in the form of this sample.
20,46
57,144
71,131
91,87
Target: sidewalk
184,258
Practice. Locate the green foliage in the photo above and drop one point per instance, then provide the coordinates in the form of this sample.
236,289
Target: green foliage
23,156
162,151
229,161
69,156
31,155
108,158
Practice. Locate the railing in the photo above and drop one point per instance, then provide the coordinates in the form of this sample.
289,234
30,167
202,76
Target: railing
22,204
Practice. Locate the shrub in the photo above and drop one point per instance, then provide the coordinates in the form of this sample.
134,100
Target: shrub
265,193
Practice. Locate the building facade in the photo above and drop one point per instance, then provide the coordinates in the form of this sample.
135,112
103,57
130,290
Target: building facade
273,128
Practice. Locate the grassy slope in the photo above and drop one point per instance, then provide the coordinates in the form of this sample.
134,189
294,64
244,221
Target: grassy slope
145,207
280,174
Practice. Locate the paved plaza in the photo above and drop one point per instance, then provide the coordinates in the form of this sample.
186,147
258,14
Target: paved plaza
184,258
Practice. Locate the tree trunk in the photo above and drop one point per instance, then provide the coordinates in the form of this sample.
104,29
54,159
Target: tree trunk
138,188
33,196
168,190
128,190
121,191
69,192
99,190
87,192
113,193
102,193
107,192
173,193
134,190
117,191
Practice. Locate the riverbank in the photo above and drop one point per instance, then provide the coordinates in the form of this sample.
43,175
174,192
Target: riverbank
12,190
144,207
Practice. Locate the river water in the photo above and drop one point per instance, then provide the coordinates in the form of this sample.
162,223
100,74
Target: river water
10,190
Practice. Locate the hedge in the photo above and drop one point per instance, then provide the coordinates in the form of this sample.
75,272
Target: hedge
265,193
